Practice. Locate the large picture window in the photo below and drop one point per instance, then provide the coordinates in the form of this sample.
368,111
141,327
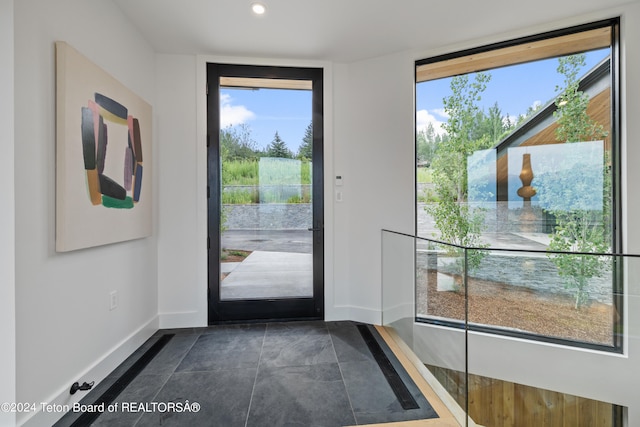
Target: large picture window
517,157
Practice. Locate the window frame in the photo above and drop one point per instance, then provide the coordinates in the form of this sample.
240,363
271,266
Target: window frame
613,24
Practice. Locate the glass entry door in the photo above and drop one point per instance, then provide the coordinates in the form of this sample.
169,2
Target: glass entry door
265,193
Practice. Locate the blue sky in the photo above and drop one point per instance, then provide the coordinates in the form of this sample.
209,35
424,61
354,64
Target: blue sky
515,88
288,112
266,111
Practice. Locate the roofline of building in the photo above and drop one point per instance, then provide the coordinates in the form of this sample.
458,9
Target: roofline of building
596,74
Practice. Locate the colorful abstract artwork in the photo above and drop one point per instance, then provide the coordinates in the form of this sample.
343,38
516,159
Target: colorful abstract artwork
103,136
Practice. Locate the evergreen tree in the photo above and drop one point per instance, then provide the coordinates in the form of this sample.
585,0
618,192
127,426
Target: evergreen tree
422,148
531,110
509,125
494,124
278,148
306,148
427,142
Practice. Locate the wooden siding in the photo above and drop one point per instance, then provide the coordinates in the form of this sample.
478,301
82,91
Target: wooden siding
541,49
495,403
599,109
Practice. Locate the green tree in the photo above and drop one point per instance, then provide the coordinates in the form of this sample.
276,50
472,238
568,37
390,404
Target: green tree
574,124
237,143
306,148
441,138
426,144
456,221
581,211
278,148
531,110
509,125
494,125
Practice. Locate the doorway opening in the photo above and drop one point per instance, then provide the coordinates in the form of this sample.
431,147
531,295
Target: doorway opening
265,193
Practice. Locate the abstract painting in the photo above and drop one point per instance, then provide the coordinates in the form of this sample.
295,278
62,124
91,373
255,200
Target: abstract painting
103,153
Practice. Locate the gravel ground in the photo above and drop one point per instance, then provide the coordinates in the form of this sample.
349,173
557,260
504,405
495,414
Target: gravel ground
522,309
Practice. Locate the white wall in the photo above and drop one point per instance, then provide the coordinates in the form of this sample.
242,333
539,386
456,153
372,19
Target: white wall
7,216
374,153
182,287
65,331
340,248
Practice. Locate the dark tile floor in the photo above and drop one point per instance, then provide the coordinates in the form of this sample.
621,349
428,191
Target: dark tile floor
274,374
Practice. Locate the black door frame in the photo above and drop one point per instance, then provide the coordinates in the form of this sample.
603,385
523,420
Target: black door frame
262,309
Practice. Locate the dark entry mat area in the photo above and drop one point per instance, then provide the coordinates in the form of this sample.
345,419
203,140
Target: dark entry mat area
297,373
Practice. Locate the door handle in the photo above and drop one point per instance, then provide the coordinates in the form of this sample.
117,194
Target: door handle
314,229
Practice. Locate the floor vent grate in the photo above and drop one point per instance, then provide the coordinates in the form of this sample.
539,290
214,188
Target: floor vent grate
399,388
121,383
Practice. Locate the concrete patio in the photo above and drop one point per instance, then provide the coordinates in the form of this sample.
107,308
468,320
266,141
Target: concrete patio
268,275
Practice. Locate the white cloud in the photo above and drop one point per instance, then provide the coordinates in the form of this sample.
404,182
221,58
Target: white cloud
440,112
231,115
424,117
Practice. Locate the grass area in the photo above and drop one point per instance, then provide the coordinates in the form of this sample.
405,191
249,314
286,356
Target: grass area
268,185
240,172
246,196
233,255
425,176
239,197
280,171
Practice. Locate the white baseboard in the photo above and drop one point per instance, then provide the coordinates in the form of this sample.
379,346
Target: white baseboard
398,312
96,372
350,312
186,319
336,313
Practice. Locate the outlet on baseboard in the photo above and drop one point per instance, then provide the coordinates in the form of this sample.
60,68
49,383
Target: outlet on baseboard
113,300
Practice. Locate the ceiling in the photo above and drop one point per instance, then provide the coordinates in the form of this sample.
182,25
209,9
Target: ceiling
336,30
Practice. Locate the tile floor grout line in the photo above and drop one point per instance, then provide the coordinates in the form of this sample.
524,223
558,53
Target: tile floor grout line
169,377
344,383
255,380
153,397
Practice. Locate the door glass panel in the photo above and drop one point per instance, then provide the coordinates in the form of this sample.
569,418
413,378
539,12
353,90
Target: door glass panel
266,213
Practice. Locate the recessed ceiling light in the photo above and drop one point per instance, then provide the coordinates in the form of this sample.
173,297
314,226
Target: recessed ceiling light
258,8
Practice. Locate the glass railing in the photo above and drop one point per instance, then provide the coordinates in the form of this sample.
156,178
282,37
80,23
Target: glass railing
492,326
